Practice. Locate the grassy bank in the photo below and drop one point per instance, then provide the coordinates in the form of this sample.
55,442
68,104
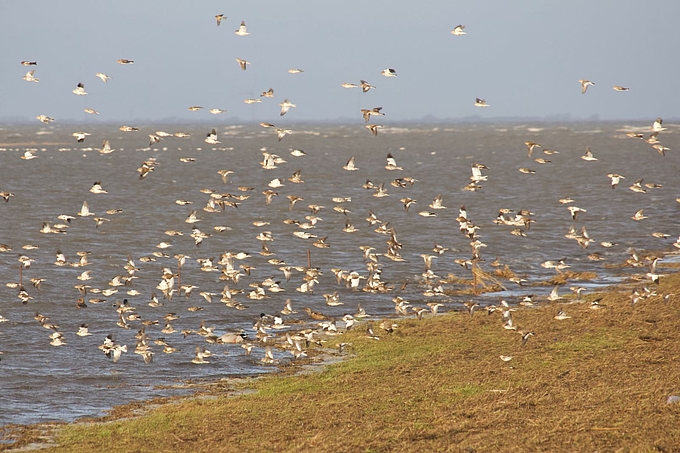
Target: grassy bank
597,381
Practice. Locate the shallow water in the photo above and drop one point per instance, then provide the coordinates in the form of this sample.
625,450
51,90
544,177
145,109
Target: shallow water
41,382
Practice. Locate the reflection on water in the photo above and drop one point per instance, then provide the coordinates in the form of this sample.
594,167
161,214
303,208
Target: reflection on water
43,382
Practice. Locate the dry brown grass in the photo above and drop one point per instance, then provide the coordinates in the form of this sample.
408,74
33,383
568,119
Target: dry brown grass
565,277
595,382
504,272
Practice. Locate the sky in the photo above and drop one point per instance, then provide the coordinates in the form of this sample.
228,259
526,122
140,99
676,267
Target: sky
523,57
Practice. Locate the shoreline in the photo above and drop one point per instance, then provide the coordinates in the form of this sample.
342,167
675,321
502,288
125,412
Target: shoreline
30,437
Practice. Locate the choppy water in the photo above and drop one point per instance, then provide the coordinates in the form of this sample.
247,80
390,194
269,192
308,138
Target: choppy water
42,382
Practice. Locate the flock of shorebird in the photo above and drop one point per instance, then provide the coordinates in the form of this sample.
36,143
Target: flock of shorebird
230,273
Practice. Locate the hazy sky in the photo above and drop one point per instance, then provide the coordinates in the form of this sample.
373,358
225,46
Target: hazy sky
523,57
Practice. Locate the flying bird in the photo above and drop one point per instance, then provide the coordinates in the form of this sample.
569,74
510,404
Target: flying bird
530,147
243,63
588,155
29,77
373,128
350,166
211,138
242,30
285,106
365,86
389,72
80,136
97,188
660,148
458,30
79,90
367,113
106,148
616,179
585,84
103,76
481,103
657,126
219,18
392,163
280,133
639,215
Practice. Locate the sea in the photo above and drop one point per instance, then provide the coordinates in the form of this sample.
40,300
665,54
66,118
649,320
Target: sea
44,383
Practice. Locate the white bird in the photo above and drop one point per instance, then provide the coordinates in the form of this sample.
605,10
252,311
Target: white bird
477,174
285,106
437,203
392,163
80,136
458,31
79,90
389,72
480,103
616,179
588,155
201,354
106,148
242,30
350,166
211,138
85,210
97,188
657,127
103,76
585,84
554,294
561,315
115,352
29,77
